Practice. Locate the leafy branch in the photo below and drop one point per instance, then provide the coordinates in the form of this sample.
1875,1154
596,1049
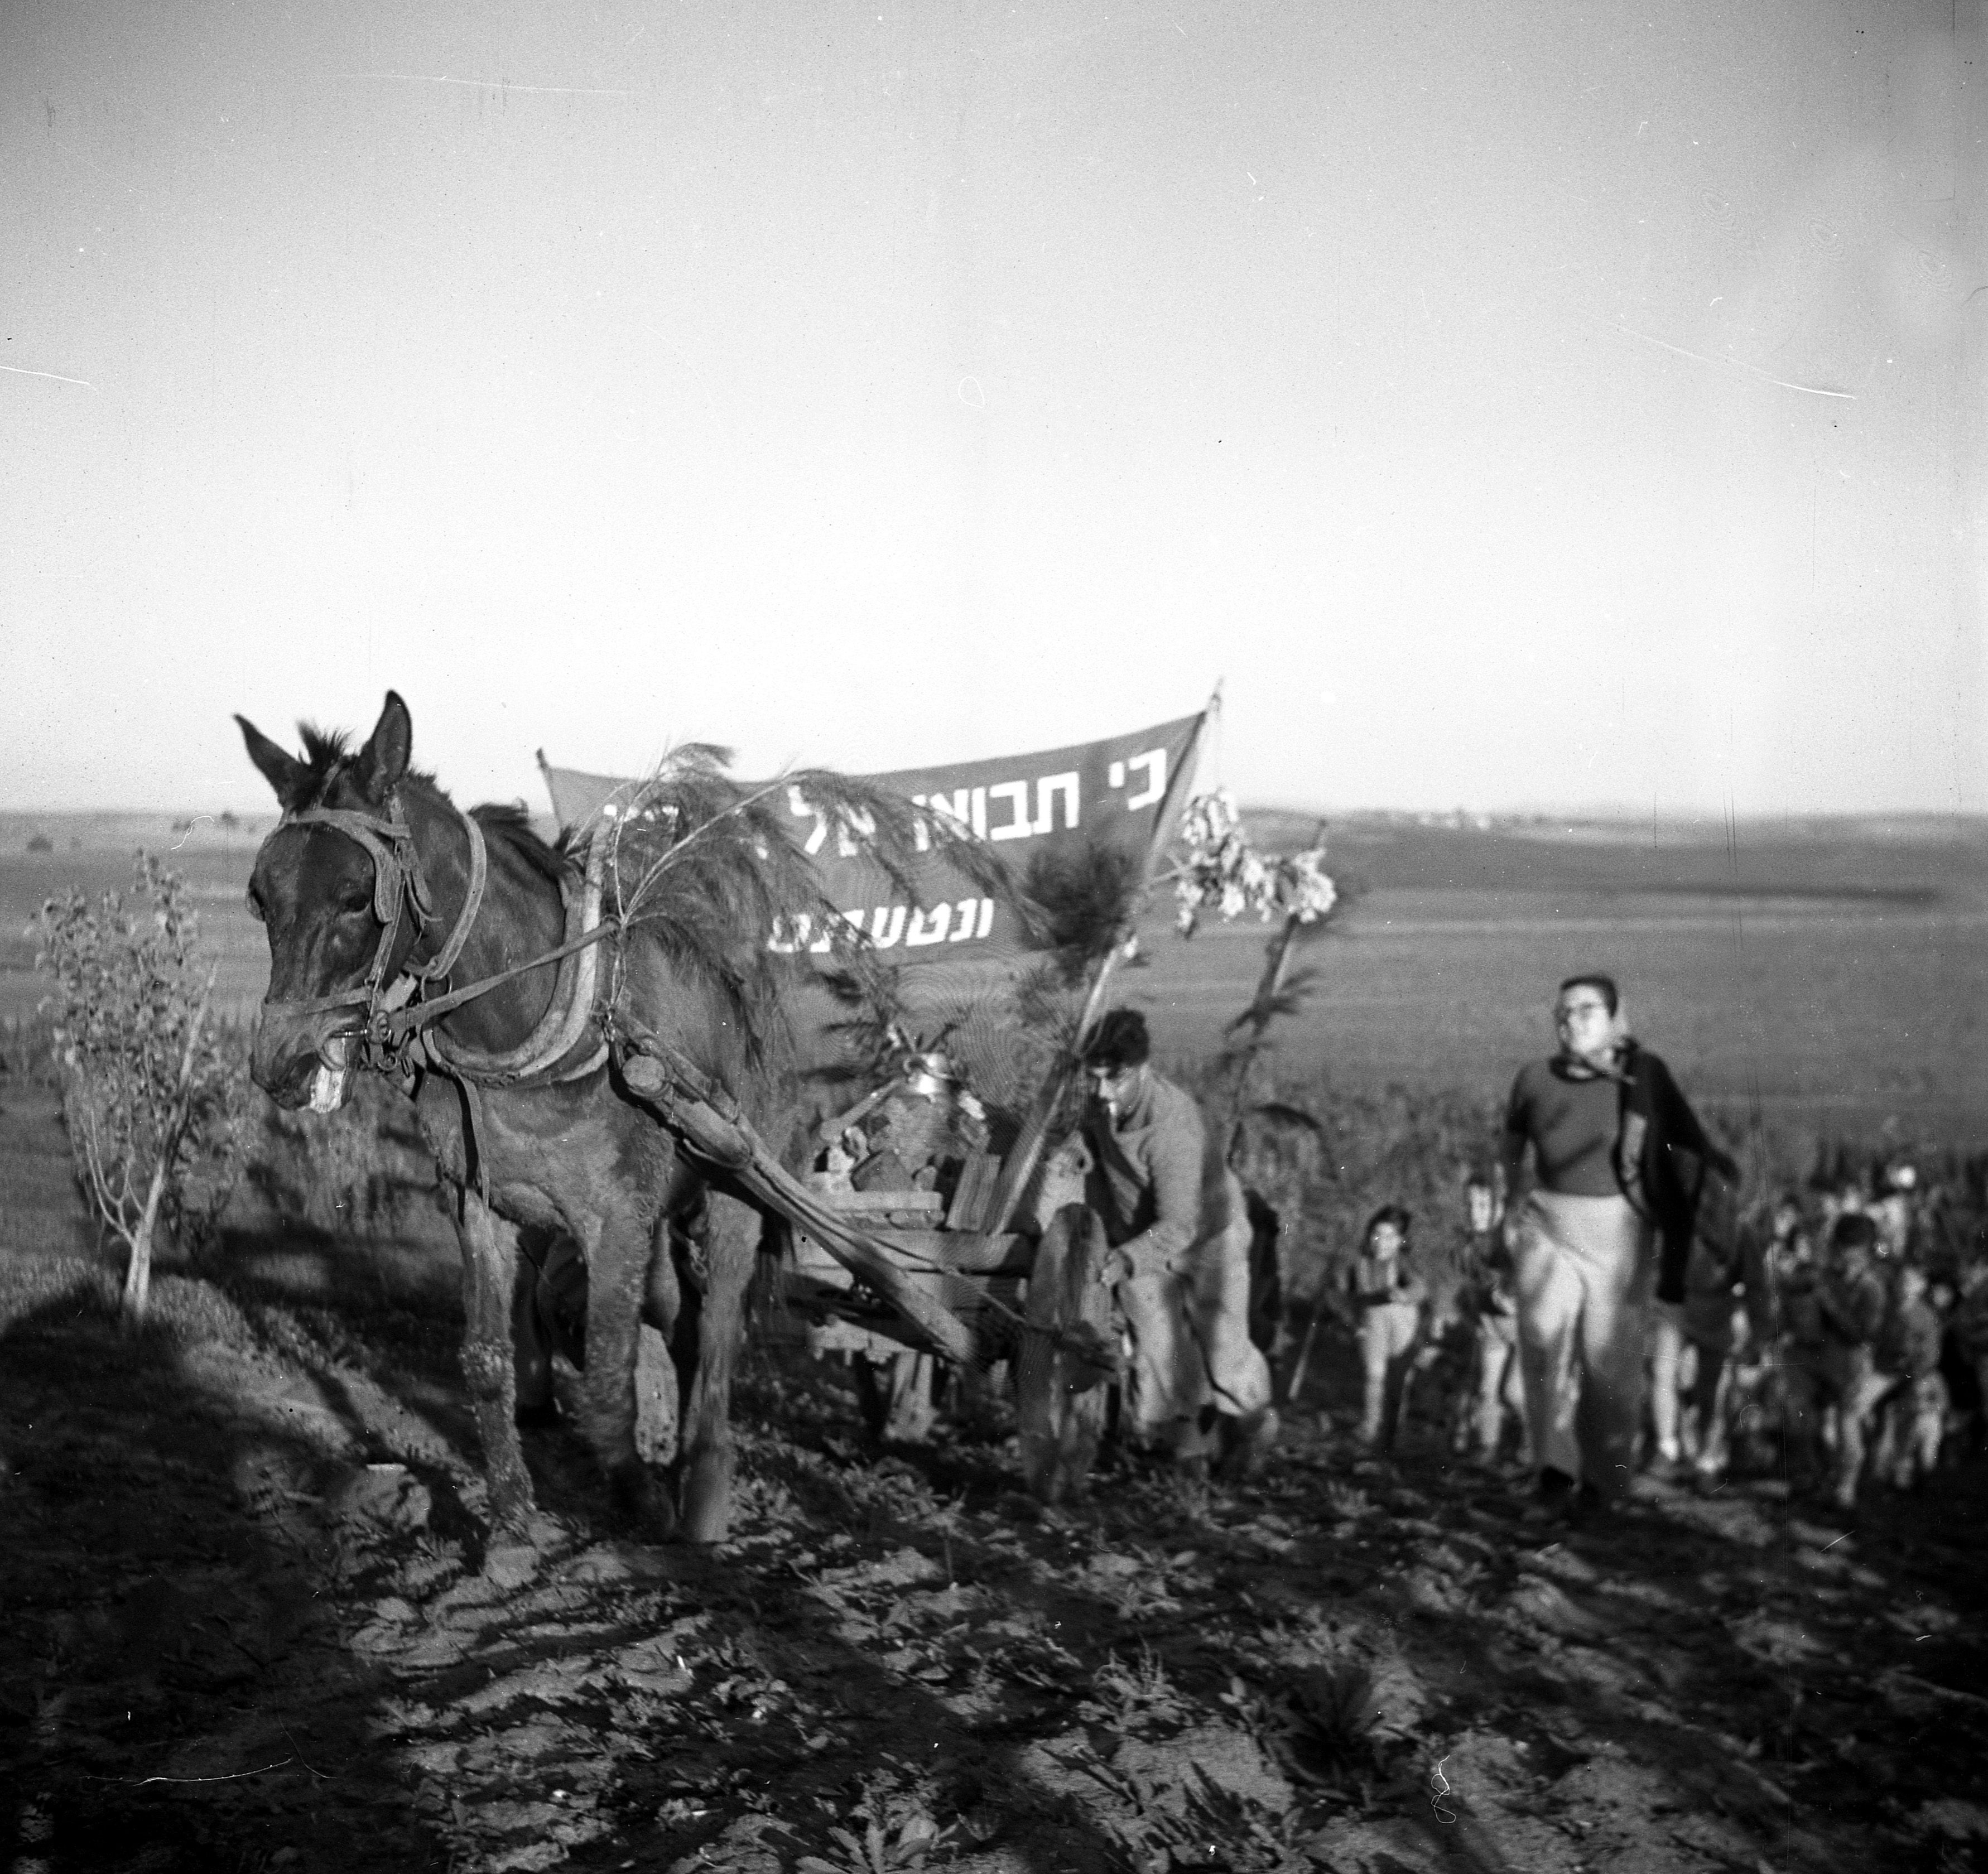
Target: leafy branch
151,1101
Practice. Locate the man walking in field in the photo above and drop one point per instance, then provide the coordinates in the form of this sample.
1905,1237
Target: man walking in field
1180,1236
1602,1121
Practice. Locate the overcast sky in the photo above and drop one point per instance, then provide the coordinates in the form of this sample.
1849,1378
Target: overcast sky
1514,404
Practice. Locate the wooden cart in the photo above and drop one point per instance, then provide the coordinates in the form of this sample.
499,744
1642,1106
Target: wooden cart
880,1273
1037,1302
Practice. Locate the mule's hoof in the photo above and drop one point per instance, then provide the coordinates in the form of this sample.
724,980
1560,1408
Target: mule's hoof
638,1505
707,1497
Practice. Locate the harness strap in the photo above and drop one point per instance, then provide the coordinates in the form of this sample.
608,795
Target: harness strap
475,1166
403,1022
479,871
560,1028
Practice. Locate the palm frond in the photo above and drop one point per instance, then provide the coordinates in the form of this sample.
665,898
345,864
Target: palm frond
877,1026
710,868
1082,902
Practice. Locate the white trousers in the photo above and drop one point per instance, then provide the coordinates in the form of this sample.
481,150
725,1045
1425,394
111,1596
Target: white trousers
1582,1269
1191,1344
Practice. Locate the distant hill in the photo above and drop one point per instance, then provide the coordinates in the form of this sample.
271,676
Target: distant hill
1904,858
122,832
1918,858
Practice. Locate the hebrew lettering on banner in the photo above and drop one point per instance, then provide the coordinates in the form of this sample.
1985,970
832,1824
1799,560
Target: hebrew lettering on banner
1107,794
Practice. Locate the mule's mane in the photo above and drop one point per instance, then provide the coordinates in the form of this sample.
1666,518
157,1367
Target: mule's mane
328,756
325,752
508,824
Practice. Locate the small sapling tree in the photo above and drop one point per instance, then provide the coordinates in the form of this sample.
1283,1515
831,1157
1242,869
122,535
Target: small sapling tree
151,1101
1222,871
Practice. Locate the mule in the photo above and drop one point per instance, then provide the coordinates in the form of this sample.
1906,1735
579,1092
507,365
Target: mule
375,888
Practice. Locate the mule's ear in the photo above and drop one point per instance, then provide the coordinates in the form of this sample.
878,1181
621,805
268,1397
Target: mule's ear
385,758
283,771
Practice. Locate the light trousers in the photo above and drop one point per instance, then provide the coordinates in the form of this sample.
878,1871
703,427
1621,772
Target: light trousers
1848,1378
1191,1344
1499,1387
1673,1349
1390,1335
1582,1270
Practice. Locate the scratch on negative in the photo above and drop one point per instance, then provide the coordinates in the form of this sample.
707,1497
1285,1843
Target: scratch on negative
234,1776
501,84
53,377
1697,357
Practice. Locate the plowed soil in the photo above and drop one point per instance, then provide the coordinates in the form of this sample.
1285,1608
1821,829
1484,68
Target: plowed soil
251,1617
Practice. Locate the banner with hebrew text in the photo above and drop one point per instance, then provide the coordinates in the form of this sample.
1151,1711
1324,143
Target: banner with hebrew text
1071,802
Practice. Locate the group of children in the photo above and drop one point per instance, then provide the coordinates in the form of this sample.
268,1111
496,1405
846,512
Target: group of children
1833,1350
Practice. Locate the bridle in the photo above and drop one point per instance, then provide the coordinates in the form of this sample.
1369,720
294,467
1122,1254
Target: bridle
396,1006
400,886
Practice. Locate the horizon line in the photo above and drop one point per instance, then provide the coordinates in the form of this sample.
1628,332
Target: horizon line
1593,814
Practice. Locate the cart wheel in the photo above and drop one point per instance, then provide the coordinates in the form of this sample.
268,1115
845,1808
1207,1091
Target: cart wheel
1060,1389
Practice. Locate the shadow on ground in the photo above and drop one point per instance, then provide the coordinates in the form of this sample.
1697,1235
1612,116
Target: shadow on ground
254,1621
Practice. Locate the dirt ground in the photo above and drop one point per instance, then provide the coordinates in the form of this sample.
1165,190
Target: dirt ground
250,1619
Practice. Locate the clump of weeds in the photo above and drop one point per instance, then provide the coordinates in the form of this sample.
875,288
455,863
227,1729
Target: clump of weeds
891,1831
1138,1698
1215,1828
1348,1502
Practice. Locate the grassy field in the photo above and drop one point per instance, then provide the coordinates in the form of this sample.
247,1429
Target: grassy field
91,852
1827,976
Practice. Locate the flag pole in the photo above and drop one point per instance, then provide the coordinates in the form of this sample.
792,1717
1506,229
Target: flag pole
1027,1153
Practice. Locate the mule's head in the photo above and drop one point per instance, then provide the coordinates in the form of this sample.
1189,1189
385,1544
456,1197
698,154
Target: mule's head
316,890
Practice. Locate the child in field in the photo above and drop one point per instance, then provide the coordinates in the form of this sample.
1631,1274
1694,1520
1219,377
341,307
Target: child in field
1691,1341
1895,1210
1753,1410
1831,1360
1493,1393
1799,1388
1908,1351
1968,1334
1387,1295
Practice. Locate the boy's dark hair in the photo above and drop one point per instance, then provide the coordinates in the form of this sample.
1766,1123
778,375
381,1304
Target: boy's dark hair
1477,1178
1853,1230
1387,1214
1120,1040
1595,979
